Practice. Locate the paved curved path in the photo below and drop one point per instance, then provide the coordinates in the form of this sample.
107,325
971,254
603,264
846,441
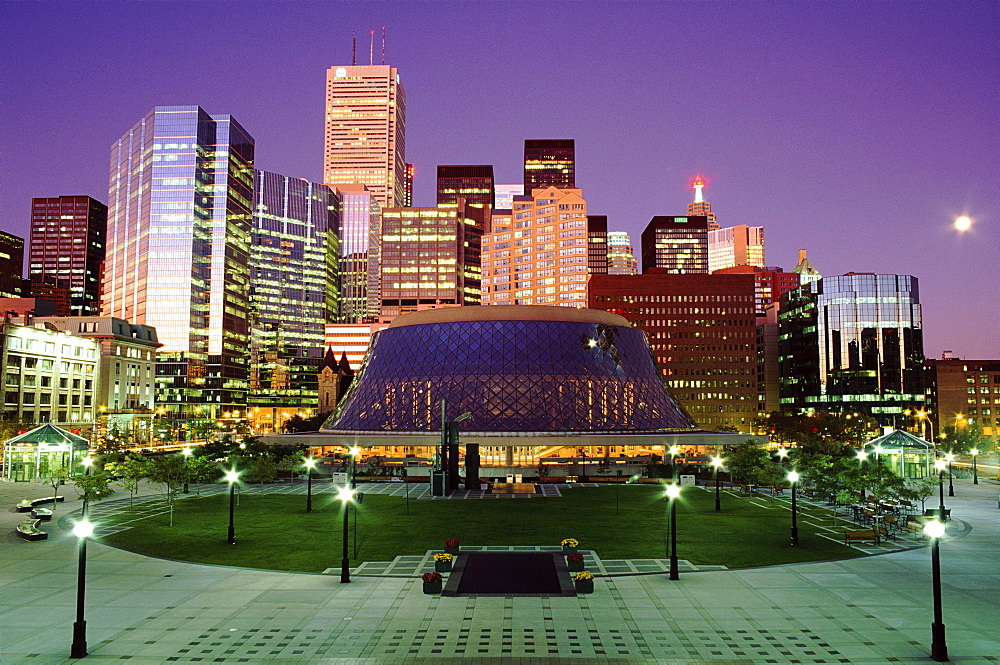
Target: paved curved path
145,610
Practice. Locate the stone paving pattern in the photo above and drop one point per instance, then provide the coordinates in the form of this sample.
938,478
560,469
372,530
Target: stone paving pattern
145,610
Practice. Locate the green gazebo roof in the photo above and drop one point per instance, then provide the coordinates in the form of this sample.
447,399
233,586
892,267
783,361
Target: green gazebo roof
898,439
49,434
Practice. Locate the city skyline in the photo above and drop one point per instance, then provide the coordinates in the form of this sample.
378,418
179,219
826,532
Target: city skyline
825,124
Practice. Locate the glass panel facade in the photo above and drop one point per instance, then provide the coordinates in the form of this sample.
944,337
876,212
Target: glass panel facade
513,376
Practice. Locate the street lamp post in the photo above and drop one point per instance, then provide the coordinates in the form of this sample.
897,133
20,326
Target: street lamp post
939,649
187,473
716,463
941,465
673,462
354,451
673,491
82,530
617,491
951,488
88,464
232,477
345,494
793,478
975,470
310,465
862,456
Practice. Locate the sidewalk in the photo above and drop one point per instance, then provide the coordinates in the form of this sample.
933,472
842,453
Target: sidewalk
145,610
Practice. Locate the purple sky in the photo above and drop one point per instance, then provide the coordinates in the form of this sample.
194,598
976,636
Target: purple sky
857,130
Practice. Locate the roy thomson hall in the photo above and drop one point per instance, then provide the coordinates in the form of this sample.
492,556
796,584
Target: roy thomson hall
543,391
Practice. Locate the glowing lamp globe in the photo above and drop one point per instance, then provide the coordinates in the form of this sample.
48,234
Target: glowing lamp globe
83,529
934,529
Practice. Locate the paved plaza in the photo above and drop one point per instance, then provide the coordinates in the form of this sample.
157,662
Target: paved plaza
140,609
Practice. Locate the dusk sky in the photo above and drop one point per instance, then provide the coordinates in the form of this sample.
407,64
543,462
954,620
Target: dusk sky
856,130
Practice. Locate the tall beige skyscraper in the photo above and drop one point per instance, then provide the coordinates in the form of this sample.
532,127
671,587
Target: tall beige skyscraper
365,135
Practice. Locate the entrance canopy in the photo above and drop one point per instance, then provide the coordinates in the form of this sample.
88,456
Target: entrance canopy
906,454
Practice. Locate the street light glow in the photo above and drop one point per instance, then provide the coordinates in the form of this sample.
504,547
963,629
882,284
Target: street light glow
862,456
717,462
187,452
673,491
950,457
934,529
674,450
793,476
354,451
963,223
310,462
83,529
232,476
940,465
782,452
87,461
345,494
974,451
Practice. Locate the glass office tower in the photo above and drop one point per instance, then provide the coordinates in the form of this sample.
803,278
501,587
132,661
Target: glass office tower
852,343
293,292
179,216
360,247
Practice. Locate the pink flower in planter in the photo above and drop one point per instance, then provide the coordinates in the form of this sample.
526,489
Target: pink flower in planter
575,558
431,577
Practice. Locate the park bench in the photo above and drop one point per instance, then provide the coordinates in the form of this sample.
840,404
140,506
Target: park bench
28,530
936,512
882,532
869,534
43,514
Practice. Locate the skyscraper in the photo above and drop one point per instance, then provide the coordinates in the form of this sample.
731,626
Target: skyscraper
740,245
293,290
549,163
806,270
621,257
542,257
597,244
850,343
179,220
473,183
677,245
365,136
360,244
67,247
430,257
700,206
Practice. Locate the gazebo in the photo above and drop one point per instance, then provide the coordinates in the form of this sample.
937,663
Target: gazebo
42,452
905,454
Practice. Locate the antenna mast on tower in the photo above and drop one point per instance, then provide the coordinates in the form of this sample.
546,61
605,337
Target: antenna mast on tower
354,49
383,44
371,47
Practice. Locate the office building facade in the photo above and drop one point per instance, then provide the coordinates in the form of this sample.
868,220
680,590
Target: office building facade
294,254
12,284
770,283
179,223
702,331
543,257
365,132
68,236
360,249
472,183
963,392
739,245
430,257
503,195
549,163
676,245
852,343
621,256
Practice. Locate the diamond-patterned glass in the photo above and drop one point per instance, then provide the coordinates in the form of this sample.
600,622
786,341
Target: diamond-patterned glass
513,376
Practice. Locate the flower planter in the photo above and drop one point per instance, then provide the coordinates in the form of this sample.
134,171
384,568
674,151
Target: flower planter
584,586
442,566
575,567
568,550
435,587
451,550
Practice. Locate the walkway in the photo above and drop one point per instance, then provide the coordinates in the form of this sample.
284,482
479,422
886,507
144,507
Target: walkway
145,610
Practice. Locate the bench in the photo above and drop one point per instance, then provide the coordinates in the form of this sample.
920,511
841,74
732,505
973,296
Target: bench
28,530
936,512
882,532
28,504
860,535
42,514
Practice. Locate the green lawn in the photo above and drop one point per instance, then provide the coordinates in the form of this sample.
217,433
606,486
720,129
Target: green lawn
275,532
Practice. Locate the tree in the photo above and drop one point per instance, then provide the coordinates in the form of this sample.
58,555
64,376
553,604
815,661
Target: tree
377,466
312,424
965,438
131,470
820,432
115,439
201,470
56,478
750,462
93,486
167,470
920,489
